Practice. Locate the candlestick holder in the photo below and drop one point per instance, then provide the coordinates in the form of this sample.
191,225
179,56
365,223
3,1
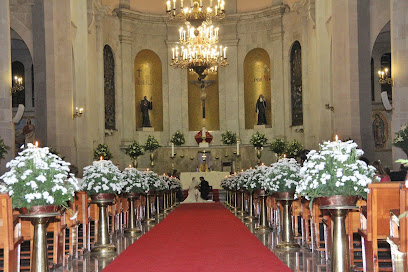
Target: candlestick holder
172,157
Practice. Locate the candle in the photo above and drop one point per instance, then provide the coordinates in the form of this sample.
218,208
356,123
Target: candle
173,52
238,147
284,155
130,166
337,137
211,3
36,143
101,158
225,52
168,6
201,3
191,3
174,4
172,149
181,4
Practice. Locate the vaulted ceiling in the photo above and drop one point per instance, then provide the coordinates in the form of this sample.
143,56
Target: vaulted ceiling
158,6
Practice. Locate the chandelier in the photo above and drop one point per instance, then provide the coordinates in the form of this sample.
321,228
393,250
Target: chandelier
17,85
195,14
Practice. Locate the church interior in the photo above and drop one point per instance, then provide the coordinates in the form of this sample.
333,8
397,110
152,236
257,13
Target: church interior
117,116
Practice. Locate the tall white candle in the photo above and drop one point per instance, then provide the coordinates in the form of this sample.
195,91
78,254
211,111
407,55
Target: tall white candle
238,147
172,149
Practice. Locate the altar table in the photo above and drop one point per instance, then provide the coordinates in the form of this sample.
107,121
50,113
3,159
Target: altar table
214,178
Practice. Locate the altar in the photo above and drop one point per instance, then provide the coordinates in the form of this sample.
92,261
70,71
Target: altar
214,178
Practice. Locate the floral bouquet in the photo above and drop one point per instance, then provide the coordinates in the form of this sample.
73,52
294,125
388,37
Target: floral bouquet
133,181
175,184
38,177
258,140
254,179
401,139
282,176
178,138
165,182
151,178
294,149
134,150
151,144
3,149
102,177
102,151
335,170
229,138
278,146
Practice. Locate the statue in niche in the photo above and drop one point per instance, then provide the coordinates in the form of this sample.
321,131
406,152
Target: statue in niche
29,133
261,110
380,131
145,106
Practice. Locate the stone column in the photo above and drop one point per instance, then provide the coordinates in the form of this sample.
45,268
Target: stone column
399,60
6,124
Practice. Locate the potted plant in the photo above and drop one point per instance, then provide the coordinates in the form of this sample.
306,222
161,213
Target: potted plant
294,149
282,179
229,137
153,180
3,149
102,151
178,138
401,139
134,151
337,177
151,145
278,146
258,140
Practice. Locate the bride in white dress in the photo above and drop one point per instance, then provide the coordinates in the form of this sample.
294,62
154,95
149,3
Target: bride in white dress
194,195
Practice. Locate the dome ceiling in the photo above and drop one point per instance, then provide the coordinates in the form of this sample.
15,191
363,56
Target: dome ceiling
158,6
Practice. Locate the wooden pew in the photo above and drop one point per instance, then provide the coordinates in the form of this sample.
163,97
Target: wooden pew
10,234
382,198
353,225
81,206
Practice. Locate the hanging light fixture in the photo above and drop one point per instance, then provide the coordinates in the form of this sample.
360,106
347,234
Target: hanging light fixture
199,51
17,84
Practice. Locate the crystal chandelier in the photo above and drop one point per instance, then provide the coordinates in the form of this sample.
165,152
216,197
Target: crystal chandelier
195,14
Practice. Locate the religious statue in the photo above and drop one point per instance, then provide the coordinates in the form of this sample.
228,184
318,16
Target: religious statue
145,106
203,167
261,110
29,132
379,131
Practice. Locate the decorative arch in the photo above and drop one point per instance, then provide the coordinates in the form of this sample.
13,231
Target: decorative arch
109,87
257,81
17,69
148,82
296,87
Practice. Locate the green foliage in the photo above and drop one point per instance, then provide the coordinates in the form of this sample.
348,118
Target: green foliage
3,149
102,151
258,139
134,150
151,143
401,139
278,146
229,137
178,138
294,149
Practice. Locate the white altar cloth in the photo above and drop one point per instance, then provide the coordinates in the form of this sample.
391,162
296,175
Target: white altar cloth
214,178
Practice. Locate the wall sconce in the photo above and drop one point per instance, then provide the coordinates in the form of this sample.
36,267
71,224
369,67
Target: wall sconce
78,112
329,107
18,84
384,77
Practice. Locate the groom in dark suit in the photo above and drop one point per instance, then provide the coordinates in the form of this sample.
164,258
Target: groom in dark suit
204,188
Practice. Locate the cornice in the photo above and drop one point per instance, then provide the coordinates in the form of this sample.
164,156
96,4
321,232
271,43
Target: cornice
131,15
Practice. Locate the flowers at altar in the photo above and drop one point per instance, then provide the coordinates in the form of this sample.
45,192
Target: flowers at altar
134,150
175,184
102,177
335,170
151,144
38,177
178,138
278,146
401,139
133,181
229,137
3,149
282,176
102,151
294,149
165,183
151,178
256,178
258,139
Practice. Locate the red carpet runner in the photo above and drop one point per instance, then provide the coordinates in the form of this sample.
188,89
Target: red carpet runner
198,237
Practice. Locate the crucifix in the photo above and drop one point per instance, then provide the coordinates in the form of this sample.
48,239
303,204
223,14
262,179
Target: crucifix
203,84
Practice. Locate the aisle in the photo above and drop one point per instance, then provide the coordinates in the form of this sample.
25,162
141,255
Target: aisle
198,237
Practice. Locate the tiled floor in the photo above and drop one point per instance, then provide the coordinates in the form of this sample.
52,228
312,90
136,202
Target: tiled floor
301,260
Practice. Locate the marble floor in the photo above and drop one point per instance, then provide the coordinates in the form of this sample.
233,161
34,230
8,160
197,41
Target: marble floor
302,260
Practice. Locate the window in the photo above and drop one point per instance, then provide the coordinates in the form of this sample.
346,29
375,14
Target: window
296,84
109,87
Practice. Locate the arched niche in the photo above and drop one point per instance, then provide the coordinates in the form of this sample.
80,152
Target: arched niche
195,102
109,87
148,82
257,81
296,88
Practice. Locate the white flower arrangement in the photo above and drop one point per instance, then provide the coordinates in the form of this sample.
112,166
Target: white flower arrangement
165,183
282,176
175,183
102,177
335,170
133,181
38,177
151,178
